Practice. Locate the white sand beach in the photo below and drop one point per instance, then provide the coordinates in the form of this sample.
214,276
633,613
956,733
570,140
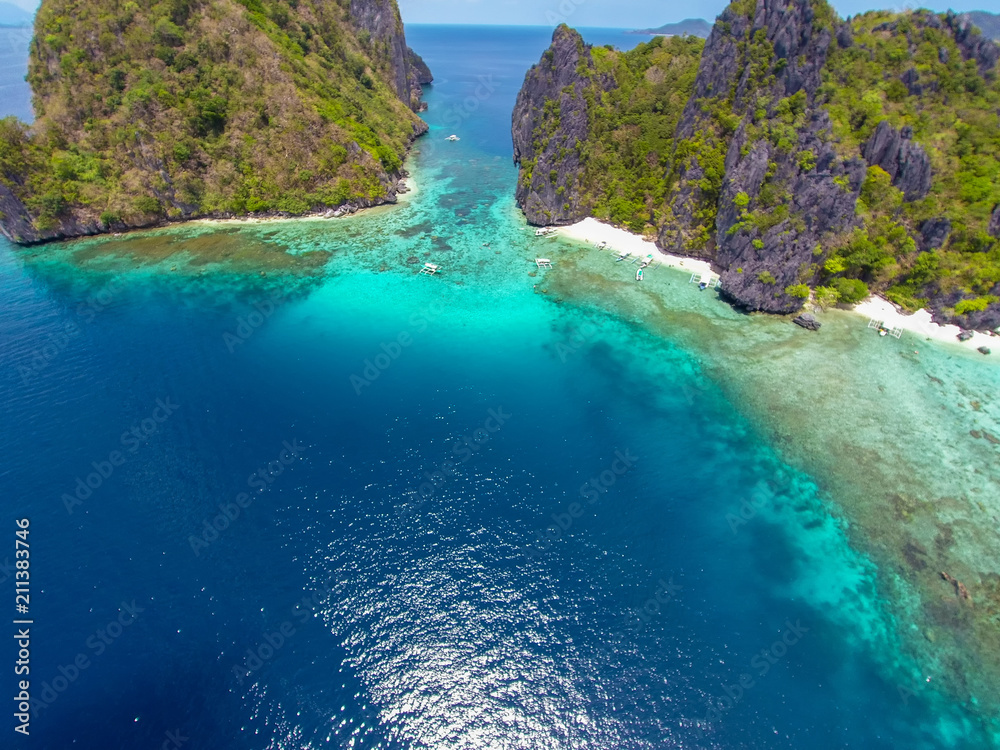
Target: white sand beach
595,232
920,323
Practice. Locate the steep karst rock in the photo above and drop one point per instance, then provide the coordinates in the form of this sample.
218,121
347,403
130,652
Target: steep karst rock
551,167
380,19
797,152
934,233
973,44
184,108
791,201
994,226
905,161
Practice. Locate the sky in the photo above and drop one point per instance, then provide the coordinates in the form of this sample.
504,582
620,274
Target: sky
622,14
629,14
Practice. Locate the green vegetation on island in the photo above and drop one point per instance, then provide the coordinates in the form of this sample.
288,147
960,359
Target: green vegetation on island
802,153
911,74
631,128
184,108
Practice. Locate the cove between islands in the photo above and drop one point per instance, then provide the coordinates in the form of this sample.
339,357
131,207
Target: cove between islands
892,465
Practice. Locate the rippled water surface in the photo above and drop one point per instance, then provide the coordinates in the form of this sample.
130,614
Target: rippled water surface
335,503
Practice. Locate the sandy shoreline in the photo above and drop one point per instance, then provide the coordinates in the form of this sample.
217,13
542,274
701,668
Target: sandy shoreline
592,231
324,213
920,323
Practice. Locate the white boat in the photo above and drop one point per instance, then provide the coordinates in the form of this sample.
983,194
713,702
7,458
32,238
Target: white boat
544,231
453,138
638,275
623,256
647,261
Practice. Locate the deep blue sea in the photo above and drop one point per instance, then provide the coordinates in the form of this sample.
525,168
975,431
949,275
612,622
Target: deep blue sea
367,508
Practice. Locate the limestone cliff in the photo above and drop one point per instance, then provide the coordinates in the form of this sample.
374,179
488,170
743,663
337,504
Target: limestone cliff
548,191
386,40
802,154
188,108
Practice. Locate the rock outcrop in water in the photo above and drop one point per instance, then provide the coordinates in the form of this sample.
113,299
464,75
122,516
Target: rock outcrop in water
799,158
176,109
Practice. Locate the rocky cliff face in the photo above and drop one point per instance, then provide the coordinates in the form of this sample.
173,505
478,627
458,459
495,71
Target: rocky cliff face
903,160
547,190
775,205
380,19
793,115
229,108
973,44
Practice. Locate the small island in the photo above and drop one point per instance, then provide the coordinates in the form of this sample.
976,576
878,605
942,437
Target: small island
698,27
177,110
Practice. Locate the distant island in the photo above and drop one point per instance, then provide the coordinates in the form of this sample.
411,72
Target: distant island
698,27
12,16
988,23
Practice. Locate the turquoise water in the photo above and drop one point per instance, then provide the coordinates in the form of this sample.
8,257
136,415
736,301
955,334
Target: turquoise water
498,507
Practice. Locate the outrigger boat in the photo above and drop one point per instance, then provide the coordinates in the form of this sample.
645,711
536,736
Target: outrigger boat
647,261
544,231
623,256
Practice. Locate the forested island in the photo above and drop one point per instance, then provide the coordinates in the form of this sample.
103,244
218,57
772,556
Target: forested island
803,154
180,109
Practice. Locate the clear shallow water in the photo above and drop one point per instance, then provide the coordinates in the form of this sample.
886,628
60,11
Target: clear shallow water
415,614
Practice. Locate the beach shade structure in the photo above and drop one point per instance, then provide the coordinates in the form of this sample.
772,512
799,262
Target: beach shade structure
705,280
884,329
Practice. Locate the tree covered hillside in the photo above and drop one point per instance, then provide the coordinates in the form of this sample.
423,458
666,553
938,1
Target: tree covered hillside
809,155
183,108
937,84
607,136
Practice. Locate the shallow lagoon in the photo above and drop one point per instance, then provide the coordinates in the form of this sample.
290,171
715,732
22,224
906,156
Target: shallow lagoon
792,498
